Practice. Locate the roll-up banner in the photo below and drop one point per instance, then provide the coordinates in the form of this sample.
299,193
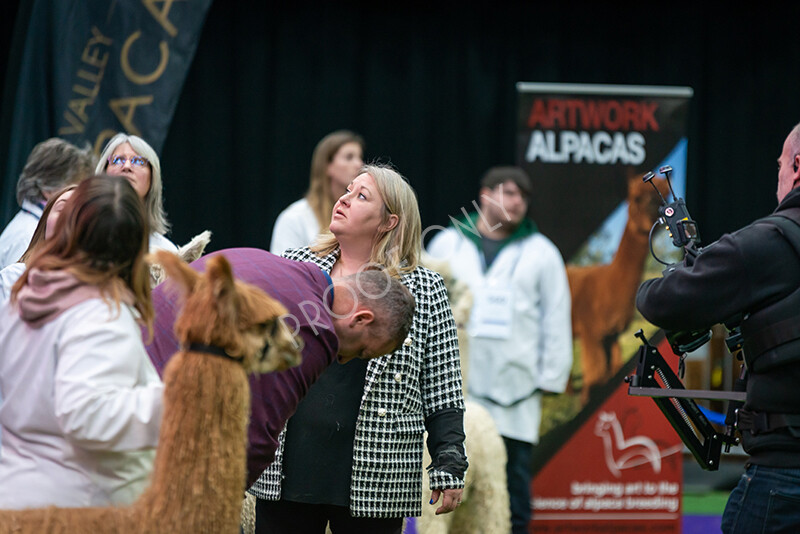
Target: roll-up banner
606,462
92,68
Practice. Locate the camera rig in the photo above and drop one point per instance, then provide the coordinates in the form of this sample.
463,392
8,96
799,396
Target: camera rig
653,376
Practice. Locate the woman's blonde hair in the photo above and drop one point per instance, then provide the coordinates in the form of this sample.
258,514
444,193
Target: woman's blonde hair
154,199
101,238
319,186
397,250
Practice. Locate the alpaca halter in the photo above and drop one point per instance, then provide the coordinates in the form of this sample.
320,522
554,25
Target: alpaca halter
211,349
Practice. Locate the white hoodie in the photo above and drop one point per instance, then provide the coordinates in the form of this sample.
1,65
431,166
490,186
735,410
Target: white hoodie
82,402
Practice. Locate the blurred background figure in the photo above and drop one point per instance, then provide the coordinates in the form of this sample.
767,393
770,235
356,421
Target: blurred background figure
335,162
520,336
136,161
81,419
51,165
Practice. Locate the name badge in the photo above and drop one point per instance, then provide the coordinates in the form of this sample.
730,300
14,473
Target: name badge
492,313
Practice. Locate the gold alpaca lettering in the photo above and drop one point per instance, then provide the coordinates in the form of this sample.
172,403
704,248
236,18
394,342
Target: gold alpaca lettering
129,104
132,75
162,16
93,66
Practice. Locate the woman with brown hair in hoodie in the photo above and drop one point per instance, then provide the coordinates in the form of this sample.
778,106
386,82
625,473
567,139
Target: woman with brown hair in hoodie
81,401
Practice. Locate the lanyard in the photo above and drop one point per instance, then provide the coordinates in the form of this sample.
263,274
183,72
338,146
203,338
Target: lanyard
36,215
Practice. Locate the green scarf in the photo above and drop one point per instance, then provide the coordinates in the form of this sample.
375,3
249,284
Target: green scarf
468,227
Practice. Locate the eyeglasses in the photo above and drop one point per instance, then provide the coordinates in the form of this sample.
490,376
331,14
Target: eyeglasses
119,161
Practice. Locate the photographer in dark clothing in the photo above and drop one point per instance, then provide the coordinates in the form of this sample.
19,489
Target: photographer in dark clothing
752,276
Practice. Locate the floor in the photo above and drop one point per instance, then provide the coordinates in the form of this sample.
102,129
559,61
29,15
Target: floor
702,511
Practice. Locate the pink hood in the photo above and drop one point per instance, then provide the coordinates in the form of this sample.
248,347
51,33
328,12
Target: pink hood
48,294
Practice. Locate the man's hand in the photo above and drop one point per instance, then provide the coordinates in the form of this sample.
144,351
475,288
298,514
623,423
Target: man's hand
450,501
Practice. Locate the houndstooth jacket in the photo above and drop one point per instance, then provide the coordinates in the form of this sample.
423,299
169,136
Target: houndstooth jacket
401,390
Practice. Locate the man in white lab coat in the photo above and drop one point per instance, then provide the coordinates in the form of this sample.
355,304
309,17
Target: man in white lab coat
520,334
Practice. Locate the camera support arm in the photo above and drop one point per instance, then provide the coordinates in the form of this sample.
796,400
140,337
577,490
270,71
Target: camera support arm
654,378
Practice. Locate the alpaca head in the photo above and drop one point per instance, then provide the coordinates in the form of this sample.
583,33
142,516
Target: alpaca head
604,422
644,201
227,313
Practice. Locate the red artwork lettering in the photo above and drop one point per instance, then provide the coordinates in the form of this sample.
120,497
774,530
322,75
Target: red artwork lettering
539,115
611,115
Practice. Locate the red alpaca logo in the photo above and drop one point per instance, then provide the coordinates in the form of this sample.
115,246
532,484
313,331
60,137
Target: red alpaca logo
624,453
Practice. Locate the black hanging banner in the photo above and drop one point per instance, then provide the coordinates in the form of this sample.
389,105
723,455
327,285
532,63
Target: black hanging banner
92,68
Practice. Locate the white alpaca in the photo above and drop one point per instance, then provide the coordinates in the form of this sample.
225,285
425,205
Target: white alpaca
484,505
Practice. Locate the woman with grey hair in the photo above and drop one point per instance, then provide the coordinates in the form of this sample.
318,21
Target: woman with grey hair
132,158
52,165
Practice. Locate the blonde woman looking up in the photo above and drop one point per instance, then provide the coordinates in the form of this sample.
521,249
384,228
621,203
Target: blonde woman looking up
352,453
335,162
132,158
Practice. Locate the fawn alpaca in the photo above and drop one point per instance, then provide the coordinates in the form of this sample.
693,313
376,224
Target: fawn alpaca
603,296
228,328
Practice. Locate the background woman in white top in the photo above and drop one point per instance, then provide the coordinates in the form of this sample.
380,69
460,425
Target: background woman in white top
336,160
81,401
132,158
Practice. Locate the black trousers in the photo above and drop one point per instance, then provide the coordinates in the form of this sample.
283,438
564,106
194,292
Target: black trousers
287,517
518,473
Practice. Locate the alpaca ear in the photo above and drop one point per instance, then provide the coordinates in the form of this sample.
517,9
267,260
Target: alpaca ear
177,270
221,282
194,248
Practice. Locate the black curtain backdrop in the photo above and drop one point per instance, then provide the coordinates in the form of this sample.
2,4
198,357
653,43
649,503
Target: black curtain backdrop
432,90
